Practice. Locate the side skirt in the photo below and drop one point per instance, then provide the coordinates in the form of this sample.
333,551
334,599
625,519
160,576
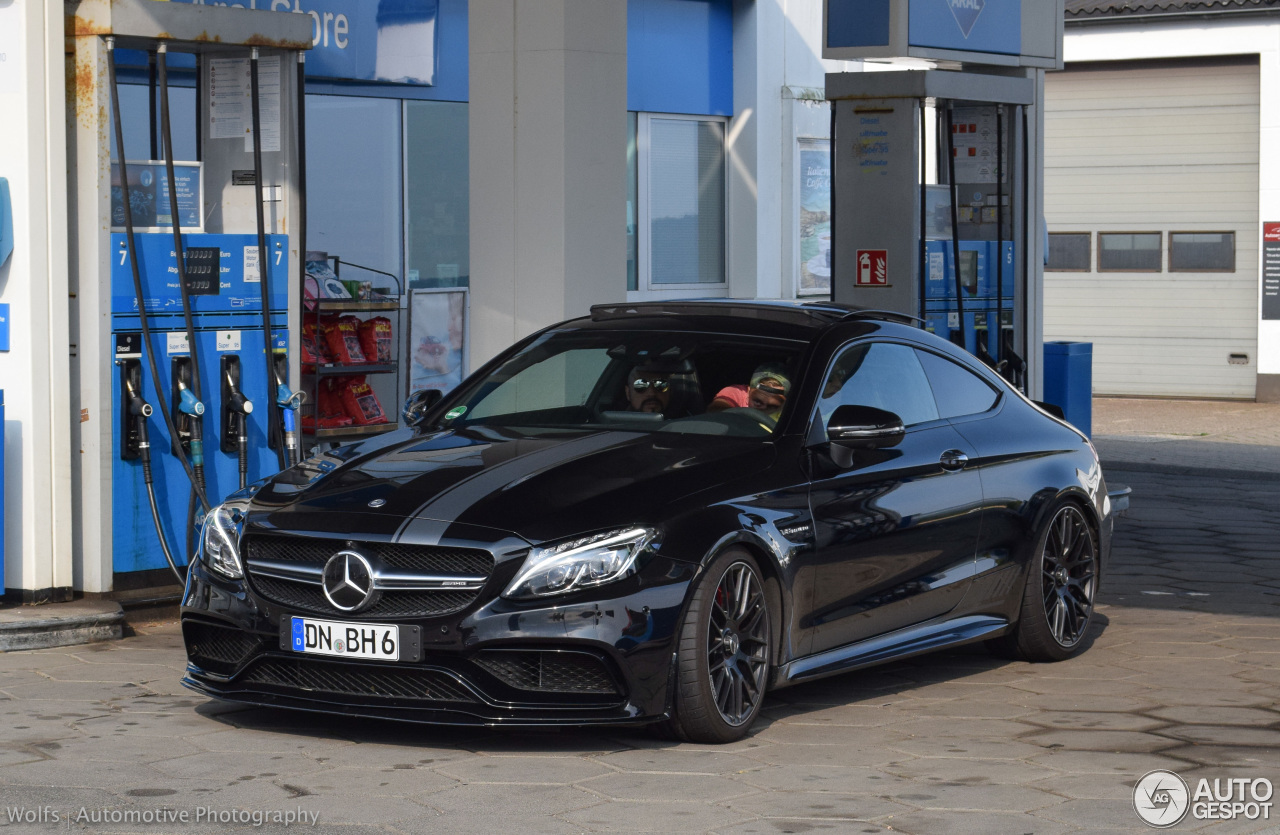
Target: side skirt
913,640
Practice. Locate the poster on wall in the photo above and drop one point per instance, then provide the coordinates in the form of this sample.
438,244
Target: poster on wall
437,338
815,215
1271,271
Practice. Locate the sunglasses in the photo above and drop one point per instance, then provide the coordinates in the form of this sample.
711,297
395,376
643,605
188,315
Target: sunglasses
644,385
776,391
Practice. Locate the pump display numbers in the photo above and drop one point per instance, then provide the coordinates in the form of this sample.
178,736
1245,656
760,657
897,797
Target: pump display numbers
204,265
378,641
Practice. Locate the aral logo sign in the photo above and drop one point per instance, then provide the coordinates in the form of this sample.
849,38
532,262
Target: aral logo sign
966,13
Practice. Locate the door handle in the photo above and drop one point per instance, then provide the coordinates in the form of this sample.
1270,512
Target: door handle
953,460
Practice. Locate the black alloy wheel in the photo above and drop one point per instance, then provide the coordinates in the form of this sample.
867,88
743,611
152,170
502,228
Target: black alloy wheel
1062,580
724,652
1068,567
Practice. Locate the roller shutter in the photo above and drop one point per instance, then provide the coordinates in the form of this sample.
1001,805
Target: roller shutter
1164,147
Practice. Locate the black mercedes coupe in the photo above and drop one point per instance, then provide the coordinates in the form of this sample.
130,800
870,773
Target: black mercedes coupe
657,513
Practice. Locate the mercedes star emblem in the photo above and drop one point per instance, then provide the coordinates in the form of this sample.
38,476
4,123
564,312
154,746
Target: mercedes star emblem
348,582
377,503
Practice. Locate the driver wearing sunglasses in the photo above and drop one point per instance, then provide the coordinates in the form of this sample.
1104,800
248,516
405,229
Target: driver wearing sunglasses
648,390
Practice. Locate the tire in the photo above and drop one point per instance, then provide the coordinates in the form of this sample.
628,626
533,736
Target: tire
724,652
1058,595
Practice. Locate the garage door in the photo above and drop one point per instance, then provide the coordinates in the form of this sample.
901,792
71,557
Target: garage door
1169,148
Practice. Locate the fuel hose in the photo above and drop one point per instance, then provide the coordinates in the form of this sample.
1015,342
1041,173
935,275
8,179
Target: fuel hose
195,420
137,277
275,416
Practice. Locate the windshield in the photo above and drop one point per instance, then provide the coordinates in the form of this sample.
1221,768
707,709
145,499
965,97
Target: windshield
693,383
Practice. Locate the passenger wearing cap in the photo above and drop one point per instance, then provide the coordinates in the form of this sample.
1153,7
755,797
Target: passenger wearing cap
766,393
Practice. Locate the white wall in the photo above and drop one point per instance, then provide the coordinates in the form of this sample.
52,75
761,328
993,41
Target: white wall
1250,36
34,372
778,82
548,140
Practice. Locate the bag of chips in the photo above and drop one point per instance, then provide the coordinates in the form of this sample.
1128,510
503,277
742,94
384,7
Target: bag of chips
376,340
359,401
314,350
342,336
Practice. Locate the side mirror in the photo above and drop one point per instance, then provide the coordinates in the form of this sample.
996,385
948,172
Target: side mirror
864,427
418,404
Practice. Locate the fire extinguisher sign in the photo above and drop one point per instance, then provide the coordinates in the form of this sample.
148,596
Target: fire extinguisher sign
873,268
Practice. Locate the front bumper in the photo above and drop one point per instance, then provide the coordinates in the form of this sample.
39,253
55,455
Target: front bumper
604,660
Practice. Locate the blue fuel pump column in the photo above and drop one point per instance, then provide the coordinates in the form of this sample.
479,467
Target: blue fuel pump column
185,272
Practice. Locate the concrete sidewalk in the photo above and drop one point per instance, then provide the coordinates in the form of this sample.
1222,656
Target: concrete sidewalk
1183,437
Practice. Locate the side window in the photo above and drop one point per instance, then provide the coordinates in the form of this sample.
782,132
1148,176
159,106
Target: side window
958,391
882,375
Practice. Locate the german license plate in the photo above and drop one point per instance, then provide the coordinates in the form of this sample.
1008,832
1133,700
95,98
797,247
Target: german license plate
378,641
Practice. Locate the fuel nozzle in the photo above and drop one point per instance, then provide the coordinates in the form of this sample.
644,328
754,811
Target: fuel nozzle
194,409
289,402
137,406
187,402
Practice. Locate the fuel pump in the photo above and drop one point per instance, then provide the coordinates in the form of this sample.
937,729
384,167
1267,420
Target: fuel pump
184,270
930,204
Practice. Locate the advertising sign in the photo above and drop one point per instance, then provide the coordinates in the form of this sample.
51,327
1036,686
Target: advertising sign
149,196
437,338
815,215
1271,271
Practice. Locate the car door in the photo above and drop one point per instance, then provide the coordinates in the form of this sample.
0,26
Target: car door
1010,457
895,530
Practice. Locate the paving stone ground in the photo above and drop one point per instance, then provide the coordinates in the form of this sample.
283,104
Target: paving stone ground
1183,673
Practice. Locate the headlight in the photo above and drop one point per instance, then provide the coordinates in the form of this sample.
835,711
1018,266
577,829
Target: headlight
220,539
580,563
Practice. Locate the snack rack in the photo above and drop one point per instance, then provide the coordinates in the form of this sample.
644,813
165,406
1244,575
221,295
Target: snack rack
383,377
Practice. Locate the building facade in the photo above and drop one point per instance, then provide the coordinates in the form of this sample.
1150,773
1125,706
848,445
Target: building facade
1160,196
545,156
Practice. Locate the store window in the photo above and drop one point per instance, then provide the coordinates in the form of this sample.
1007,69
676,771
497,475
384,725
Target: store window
1202,252
1129,251
437,194
355,181
1070,252
681,182
633,203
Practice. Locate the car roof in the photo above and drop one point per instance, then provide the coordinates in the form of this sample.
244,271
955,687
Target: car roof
811,315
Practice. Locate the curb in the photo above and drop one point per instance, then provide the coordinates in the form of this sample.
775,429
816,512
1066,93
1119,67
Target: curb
42,631
1184,470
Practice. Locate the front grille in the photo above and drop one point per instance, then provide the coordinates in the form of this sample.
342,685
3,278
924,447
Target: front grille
429,558
548,672
344,679
414,603
216,648
394,604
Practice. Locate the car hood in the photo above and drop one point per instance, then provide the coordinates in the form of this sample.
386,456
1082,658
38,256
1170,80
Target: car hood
539,485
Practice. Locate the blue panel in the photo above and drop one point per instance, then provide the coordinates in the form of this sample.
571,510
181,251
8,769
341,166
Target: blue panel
680,56
973,25
350,36
160,275
4,326
1068,381
857,23
135,546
